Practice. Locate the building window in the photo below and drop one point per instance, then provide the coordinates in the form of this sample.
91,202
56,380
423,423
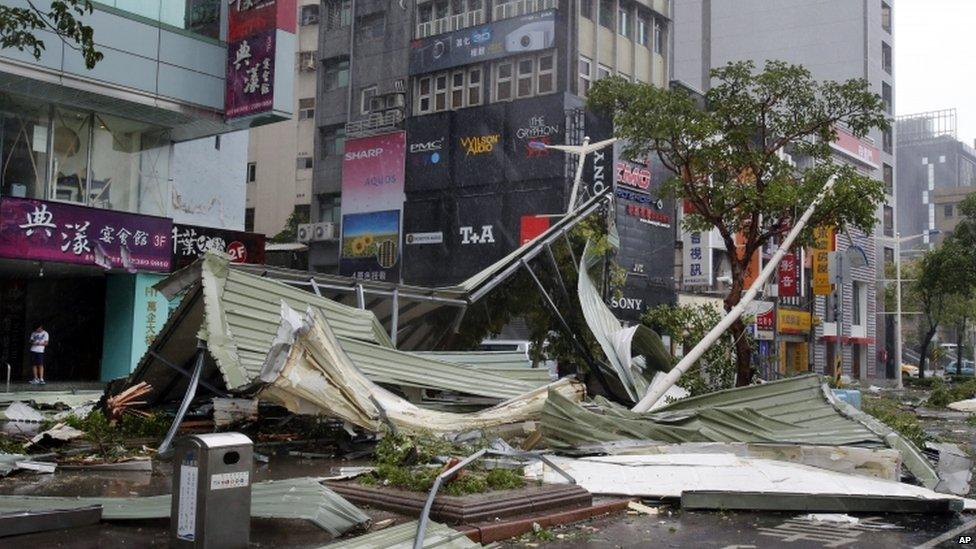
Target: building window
333,141
249,219
365,96
886,142
474,86
448,90
623,20
886,96
859,304
526,74
306,108
547,74
458,89
503,81
330,208
947,211
658,36
886,17
309,15
889,221
304,163
424,95
336,73
642,26
339,13
440,92
586,9
606,13
603,71
889,179
252,172
886,57
306,61
889,256
585,69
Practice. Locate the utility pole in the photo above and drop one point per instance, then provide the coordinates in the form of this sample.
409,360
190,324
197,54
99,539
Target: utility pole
839,314
898,340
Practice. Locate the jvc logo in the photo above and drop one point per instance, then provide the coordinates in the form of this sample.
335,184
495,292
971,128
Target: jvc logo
469,236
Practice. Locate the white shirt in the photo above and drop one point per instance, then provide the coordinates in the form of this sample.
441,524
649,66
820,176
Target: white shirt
38,341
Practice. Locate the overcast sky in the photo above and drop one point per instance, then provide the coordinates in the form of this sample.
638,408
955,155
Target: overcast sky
935,59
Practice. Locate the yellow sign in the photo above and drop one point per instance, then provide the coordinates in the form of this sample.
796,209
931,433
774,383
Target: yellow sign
791,321
823,243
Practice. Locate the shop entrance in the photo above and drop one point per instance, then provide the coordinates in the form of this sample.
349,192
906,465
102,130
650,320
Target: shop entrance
69,301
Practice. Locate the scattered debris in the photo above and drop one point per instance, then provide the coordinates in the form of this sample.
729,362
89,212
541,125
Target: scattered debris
954,466
833,518
964,405
37,466
19,411
127,401
29,522
132,465
228,411
57,435
637,507
402,536
343,473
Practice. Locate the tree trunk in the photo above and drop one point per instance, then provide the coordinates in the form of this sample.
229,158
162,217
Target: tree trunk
743,350
924,351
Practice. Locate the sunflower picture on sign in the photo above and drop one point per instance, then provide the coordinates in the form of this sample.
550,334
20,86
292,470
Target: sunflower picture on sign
372,235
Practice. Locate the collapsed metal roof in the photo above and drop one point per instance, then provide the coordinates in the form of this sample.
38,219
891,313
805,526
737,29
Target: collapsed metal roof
796,410
402,536
511,364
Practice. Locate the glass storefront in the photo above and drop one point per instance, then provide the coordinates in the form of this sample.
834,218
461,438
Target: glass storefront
197,16
87,158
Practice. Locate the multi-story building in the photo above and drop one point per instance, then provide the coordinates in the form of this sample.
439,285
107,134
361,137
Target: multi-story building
114,176
280,156
835,40
433,118
930,159
947,214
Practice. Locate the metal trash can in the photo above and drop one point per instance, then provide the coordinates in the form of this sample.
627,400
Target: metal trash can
211,491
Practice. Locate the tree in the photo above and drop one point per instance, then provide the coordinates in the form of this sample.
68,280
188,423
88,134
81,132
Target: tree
290,232
18,28
942,287
729,163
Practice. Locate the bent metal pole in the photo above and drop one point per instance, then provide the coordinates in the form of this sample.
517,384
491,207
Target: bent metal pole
656,391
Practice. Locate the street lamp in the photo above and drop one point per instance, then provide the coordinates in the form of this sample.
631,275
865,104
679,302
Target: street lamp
579,150
898,338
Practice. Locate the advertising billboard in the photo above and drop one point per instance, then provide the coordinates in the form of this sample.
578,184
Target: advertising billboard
533,123
477,146
190,242
250,75
55,231
508,37
788,277
428,152
372,201
260,35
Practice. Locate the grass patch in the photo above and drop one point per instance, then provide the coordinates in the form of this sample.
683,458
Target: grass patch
9,445
971,420
944,393
906,423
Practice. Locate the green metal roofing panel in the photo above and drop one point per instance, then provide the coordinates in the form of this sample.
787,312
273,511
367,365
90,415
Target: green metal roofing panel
511,364
403,535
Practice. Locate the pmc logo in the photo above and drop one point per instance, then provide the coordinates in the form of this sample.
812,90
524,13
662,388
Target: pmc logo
481,144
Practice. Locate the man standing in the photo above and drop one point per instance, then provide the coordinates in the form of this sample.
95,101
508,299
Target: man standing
38,341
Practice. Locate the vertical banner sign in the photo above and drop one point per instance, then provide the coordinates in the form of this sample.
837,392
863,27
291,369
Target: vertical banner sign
372,205
259,34
787,277
697,259
765,320
823,244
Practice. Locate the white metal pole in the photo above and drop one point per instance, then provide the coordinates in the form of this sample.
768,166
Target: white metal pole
898,340
579,175
655,392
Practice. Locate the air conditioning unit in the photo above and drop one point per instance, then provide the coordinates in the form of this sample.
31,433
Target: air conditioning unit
323,231
396,100
305,232
377,104
308,64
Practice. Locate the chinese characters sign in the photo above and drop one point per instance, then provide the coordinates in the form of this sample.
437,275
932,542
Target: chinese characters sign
793,321
787,275
259,32
823,244
190,242
52,231
697,259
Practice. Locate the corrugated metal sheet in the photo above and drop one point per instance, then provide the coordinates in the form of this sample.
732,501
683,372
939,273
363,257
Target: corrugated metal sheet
297,498
403,535
511,364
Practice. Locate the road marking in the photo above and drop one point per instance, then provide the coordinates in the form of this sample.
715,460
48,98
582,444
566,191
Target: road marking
829,534
947,536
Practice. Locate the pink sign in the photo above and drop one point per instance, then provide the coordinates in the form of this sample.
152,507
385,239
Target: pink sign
787,273
857,148
250,75
54,231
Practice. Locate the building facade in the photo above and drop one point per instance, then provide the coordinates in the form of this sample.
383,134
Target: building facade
931,160
835,40
280,156
112,177
432,123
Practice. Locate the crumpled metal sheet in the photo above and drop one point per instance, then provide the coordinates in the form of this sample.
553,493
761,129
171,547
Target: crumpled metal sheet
308,371
620,345
297,498
403,535
511,364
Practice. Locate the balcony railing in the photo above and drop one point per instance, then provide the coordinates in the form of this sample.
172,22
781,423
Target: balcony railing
451,23
376,122
515,8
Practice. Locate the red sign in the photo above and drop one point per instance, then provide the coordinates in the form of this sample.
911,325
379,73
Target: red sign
857,148
787,274
637,177
766,321
531,227
250,17
649,215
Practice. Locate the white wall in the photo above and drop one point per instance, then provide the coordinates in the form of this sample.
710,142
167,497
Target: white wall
208,184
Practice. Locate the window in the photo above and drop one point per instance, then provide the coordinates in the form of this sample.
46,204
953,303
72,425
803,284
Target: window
886,142
304,163
474,86
547,74
252,172
886,57
330,208
365,95
333,140
889,256
339,13
606,13
603,71
458,89
585,68
586,9
886,96
658,36
526,74
249,219
424,104
503,81
623,20
336,73
947,211
886,17
440,92
306,61
306,108
448,90
309,15
642,26
889,179
889,221
859,303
